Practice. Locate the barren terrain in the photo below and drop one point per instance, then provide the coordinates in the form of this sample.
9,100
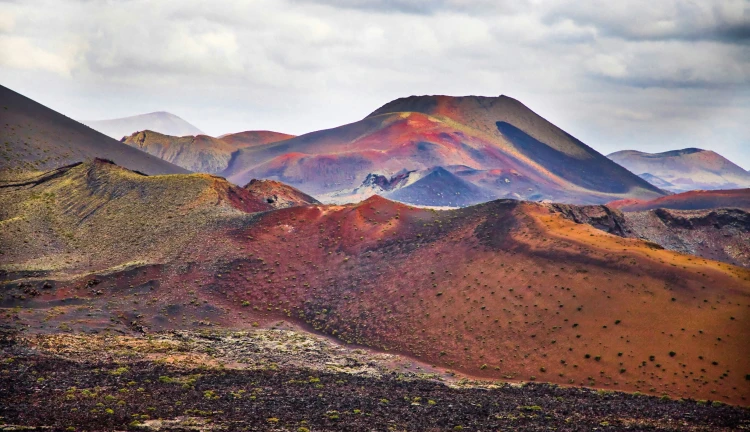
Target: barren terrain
504,290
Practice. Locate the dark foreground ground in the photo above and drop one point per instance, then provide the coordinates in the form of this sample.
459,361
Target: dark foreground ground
54,392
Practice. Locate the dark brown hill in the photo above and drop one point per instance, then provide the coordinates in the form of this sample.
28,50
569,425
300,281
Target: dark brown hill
36,138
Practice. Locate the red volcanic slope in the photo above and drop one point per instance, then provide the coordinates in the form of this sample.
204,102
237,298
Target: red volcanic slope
692,200
540,160
504,290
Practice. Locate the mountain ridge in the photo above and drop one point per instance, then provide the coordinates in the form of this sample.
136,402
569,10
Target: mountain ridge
685,169
199,153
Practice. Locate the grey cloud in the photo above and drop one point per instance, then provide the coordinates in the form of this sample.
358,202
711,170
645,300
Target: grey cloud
424,7
672,64
719,20
302,65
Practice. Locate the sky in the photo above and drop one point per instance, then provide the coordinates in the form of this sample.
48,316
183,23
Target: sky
651,75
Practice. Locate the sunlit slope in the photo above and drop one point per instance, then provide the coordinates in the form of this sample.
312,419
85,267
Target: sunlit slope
521,132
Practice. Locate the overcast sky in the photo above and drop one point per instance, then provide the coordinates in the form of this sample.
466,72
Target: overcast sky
652,75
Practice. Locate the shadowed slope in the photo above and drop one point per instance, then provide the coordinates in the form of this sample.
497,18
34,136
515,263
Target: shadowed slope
162,122
503,290
686,169
38,138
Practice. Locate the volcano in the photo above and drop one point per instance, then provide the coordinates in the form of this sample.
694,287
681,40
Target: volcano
522,155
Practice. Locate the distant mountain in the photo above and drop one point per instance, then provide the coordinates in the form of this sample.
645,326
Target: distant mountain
161,121
38,138
199,153
686,169
691,200
511,150
656,181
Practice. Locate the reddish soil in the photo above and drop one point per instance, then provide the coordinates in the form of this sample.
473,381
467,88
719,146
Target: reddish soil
505,290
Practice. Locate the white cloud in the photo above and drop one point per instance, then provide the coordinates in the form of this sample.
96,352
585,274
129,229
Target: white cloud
632,74
607,65
21,53
7,21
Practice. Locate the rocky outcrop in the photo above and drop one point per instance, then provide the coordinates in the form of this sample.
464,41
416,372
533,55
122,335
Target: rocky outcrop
720,234
600,217
385,183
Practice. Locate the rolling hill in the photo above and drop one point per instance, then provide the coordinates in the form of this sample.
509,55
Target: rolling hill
505,290
161,121
686,169
520,154
36,138
199,153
